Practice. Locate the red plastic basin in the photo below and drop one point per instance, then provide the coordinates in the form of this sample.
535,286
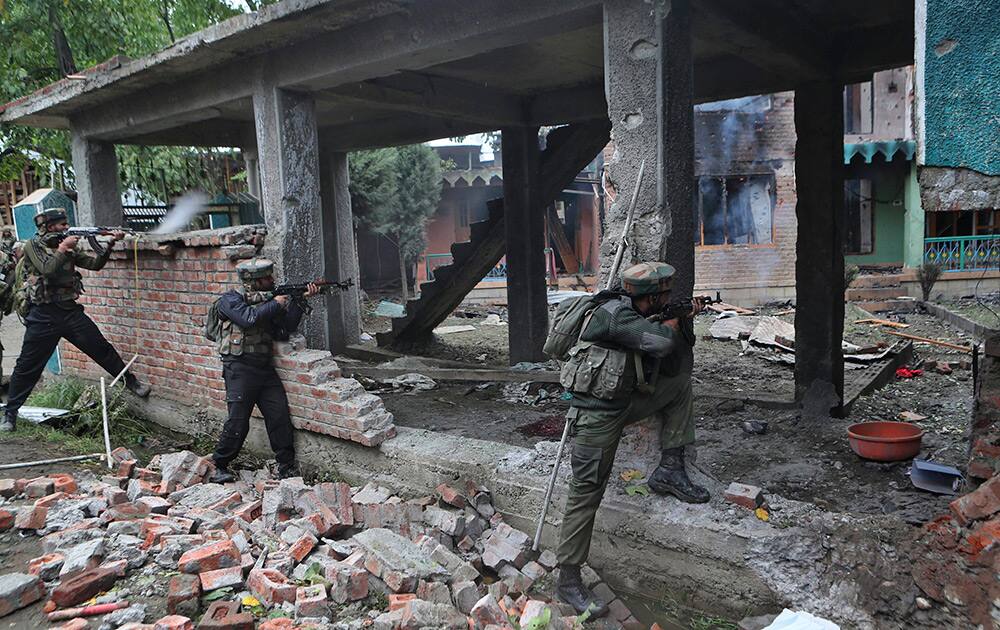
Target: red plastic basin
885,441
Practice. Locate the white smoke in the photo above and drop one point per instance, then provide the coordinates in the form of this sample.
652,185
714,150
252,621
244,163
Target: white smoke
189,206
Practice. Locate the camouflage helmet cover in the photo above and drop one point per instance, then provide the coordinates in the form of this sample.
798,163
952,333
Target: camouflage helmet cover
46,216
647,278
255,268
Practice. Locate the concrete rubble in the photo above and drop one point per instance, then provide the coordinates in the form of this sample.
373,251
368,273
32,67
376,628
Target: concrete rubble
262,553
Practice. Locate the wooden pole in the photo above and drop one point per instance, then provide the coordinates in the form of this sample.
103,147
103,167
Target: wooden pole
943,344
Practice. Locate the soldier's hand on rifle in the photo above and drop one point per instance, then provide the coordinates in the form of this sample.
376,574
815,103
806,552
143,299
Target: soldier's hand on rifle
68,244
674,323
697,306
117,236
311,289
283,300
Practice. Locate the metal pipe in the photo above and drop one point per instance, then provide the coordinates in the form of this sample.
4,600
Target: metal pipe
57,460
125,369
107,431
549,488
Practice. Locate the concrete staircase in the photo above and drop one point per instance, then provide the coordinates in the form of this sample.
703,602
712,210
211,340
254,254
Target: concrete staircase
881,292
568,150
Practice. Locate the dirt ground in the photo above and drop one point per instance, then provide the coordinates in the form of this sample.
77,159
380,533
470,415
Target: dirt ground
796,458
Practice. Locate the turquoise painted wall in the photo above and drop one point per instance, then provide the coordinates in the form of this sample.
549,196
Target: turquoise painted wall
962,85
888,220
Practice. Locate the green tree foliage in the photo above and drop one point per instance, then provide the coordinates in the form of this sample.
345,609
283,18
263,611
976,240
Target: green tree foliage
394,192
45,39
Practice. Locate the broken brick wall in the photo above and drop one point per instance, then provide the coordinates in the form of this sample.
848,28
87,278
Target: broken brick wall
984,459
157,309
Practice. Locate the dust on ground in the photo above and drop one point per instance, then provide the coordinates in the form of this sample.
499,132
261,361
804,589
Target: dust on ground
984,309
796,458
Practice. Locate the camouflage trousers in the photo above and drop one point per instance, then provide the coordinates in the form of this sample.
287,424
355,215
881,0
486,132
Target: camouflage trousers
596,433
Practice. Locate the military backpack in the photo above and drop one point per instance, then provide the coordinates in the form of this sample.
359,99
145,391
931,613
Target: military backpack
568,323
213,323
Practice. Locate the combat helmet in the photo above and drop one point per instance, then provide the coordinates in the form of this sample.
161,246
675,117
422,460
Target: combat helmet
647,278
253,269
48,216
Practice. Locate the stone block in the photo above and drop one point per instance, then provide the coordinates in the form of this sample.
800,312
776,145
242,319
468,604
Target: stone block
182,594
46,567
174,622
534,609
82,557
225,616
18,590
981,503
271,587
221,578
217,555
83,586
418,614
465,595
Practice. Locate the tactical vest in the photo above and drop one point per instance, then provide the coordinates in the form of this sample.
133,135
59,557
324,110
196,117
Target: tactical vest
257,339
602,371
65,285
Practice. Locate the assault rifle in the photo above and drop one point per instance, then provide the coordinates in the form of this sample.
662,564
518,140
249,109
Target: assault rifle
297,290
683,306
89,233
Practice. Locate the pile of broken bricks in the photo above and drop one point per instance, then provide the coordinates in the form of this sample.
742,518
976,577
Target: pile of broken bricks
277,554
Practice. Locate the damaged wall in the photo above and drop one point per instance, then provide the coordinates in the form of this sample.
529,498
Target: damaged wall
161,316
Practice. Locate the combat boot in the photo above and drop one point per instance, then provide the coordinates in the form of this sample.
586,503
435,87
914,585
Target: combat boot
287,471
571,590
9,422
671,478
136,386
222,474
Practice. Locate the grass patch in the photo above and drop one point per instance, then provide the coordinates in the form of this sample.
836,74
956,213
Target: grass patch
77,445
85,424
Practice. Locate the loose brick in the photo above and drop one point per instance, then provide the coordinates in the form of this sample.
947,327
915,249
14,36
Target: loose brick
225,616
46,567
280,623
174,622
451,496
750,497
31,517
83,586
6,520
81,557
8,488
302,547
271,587
218,555
18,590
154,505
465,595
182,595
249,512
127,468
311,602
981,503
399,600
37,488
64,483
50,499
221,578
487,611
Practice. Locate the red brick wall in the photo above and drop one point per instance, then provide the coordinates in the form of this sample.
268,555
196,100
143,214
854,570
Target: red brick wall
161,314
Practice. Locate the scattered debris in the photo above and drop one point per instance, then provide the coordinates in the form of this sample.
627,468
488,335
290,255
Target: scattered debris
750,497
934,477
935,342
882,322
412,381
450,330
905,372
493,320
910,416
390,309
754,427
800,620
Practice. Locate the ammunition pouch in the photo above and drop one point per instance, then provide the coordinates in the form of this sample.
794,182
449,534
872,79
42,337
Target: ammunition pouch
596,371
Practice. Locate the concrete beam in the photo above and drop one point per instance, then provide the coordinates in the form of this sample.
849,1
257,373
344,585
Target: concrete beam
787,45
569,105
288,146
395,131
524,218
340,257
819,250
436,96
98,188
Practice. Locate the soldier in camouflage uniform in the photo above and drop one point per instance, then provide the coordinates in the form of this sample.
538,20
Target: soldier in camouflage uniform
252,320
7,264
53,285
623,369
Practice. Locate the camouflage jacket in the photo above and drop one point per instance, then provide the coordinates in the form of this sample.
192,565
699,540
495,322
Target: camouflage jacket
52,277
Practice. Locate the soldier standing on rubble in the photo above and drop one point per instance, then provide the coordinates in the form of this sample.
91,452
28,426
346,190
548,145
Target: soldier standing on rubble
251,321
52,285
624,368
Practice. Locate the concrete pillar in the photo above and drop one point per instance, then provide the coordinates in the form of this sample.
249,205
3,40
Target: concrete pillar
340,258
253,172
819,251
914,228
98,188
288,148
648,72
524,222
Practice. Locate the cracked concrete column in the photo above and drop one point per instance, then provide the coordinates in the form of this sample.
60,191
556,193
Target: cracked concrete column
340,257
649,84
288,157
253,172
819,250
524,222
98,188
